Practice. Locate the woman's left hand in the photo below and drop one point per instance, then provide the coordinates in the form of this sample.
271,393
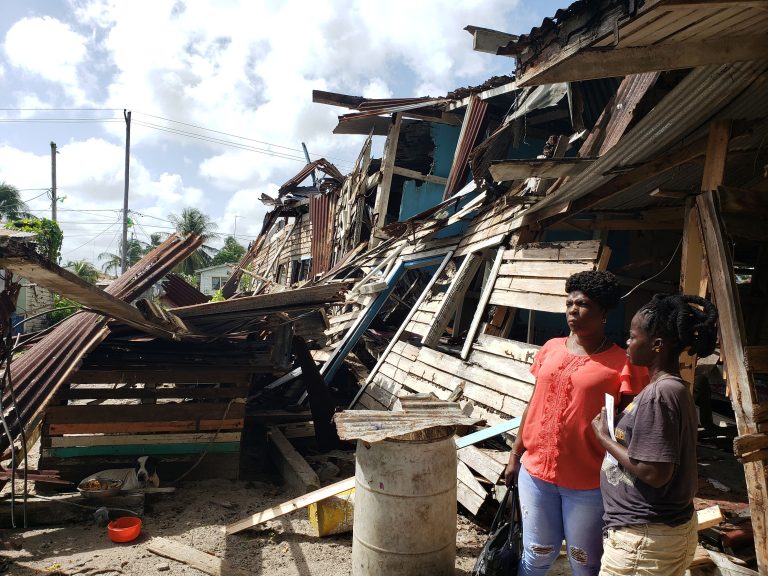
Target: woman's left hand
600,424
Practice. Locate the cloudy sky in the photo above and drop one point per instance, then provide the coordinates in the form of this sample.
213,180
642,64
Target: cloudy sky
220,95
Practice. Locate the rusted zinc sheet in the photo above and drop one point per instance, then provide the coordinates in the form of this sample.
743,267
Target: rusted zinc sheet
321,210
21,259
243,314
181,292
37,375
418,416
320,164
470,131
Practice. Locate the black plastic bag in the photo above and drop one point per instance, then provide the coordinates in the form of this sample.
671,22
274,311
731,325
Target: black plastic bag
501,553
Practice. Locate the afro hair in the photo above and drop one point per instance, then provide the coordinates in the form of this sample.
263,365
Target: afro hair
600,286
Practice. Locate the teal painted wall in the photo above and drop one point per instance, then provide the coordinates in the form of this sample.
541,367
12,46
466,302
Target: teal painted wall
417,195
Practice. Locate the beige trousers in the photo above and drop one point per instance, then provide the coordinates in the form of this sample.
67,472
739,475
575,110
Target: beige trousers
647,549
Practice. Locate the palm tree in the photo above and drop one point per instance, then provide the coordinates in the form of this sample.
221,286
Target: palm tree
193,221
136,249
84,270
11,205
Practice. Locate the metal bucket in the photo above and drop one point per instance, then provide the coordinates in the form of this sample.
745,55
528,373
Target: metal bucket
405,506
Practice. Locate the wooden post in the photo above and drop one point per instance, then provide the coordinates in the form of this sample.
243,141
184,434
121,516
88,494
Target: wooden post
739,375
455,292
320,401
484,297
692,276
387,167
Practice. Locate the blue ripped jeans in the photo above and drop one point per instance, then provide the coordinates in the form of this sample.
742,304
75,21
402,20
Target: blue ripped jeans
551,514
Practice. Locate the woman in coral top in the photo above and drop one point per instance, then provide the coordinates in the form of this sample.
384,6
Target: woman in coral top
556,458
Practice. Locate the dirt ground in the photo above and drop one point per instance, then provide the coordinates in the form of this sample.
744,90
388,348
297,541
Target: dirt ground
195,515
197,512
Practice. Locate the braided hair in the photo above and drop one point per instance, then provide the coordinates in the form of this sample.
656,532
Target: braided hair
601,287
676,319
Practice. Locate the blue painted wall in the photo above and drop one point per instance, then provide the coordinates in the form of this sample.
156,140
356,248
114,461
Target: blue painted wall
419,196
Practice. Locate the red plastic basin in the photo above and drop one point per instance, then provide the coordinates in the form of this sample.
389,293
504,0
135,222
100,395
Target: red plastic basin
124,529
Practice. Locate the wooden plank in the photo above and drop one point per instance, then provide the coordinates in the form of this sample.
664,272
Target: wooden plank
293,468
506,170
739,378
692,268
503,366
387,166
472,494
144,413
518,351
414,175
204,392
743,445
130,449
445,364
593,63
490,469
290,506
529,301
555,251
194,558
454,294
35,268
349,483
159,375
484,298
144,427
545,269
118,439
554,286
709,517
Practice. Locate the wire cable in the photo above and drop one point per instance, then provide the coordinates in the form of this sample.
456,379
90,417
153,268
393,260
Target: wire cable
671,258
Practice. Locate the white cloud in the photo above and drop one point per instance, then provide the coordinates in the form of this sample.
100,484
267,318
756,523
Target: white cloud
48,48
241,68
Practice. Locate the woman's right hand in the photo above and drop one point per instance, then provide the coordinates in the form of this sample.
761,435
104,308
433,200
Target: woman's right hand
512,469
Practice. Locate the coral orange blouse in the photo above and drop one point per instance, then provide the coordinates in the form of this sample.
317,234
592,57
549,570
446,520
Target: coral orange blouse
561,447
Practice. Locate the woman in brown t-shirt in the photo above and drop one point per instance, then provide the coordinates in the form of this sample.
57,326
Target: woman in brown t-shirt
649,483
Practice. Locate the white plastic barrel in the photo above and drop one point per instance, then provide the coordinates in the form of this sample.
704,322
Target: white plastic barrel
405,506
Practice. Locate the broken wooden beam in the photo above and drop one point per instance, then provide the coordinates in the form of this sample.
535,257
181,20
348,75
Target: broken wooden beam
506,170
348,483
292,466
194,558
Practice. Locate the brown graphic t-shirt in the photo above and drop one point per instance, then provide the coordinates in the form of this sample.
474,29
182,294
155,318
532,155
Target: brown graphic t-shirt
658,426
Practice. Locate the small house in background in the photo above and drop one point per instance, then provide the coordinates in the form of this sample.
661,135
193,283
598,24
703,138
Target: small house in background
214,277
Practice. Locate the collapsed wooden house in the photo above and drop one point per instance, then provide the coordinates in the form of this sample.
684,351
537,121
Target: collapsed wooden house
630,140
117,381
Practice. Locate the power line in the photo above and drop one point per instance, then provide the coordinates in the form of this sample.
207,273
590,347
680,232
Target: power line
221,141
166,129
92,239
242,137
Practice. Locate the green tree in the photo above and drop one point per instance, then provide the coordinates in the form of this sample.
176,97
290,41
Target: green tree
136,249
11,205
155,239
84,270
48,232
193,221
231,252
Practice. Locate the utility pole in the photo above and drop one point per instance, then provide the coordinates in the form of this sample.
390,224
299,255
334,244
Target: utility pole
124,253
53,181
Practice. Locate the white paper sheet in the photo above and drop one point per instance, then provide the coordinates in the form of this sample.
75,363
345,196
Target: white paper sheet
610,411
